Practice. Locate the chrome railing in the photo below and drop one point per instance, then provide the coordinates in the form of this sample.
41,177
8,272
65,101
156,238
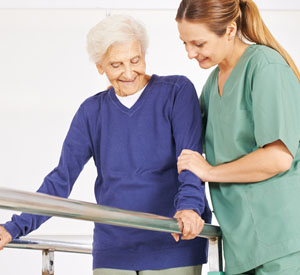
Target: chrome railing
41,244
48,248
47,205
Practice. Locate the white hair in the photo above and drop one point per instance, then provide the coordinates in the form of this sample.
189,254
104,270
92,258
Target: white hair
111,30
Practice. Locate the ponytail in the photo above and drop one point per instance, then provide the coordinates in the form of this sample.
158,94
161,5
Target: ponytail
217,14
254,30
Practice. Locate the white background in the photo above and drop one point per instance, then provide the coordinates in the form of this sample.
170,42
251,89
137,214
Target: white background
44,76
132,4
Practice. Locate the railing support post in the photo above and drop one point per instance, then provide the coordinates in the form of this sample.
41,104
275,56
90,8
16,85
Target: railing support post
220,251
48,262
215,256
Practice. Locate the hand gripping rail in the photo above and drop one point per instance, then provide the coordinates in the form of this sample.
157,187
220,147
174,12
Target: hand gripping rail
42,204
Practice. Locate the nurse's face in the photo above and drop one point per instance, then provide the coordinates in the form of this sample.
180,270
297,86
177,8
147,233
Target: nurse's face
202,44
124,65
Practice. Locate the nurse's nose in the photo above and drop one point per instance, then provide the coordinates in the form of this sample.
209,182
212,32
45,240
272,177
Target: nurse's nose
191,51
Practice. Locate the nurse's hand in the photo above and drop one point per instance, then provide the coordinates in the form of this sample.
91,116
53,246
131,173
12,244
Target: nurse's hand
5,237
194,162
190,224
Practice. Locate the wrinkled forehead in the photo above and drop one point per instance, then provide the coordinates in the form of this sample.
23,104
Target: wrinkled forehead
124,50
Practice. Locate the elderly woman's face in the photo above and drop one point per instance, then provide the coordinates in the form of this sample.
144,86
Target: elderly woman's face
124,66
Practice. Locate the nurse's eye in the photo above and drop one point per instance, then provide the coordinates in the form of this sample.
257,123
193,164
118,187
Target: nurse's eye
135,60
116,65
199,45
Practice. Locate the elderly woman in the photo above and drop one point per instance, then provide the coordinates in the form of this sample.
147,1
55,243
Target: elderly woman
134,131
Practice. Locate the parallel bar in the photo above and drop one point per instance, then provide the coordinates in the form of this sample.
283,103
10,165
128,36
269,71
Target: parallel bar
42,204
220,251
48,262
37,244
213,255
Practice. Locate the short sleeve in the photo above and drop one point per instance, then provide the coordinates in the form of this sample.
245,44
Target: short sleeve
276,106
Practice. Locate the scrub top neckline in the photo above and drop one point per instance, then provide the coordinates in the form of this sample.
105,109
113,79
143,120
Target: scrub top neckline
231,75
137,104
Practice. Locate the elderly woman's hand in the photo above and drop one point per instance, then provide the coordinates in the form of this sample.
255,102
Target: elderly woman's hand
190,224
5,237
194,162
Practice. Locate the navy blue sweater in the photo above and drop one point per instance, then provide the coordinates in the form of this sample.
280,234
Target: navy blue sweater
135,152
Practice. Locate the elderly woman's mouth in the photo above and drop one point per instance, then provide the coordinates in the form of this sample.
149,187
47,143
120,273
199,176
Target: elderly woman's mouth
128,82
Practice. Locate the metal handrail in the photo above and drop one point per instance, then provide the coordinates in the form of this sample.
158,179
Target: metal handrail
41,244
41,204
48,248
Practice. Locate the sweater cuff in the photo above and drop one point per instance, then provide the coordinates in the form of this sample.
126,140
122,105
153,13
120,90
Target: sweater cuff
190,207
12,229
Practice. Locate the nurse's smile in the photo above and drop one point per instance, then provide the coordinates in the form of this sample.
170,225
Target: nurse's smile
202,60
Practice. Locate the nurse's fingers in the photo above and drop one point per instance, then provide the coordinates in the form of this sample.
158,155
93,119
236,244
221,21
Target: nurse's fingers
188,162
182,165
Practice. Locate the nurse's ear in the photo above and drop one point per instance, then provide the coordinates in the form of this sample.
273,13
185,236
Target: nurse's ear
231,31
100,69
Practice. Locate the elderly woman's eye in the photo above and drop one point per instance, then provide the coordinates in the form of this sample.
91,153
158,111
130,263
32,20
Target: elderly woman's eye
135,60
115,65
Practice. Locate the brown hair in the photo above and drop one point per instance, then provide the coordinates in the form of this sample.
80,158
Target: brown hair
218,14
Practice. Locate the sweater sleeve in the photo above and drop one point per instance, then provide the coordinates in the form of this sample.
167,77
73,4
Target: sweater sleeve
186,125
203,107
76,151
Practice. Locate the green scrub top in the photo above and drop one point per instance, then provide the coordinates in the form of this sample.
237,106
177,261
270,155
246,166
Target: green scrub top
260,104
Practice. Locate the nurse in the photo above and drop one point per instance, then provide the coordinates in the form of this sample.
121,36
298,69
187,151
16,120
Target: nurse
251,115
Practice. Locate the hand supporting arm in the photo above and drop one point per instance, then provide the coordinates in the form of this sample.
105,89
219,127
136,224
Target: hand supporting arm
264,163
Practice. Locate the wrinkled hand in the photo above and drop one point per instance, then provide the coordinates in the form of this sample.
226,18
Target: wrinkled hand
5,237
194,162
190,224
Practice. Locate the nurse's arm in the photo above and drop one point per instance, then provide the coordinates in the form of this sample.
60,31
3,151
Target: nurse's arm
264,163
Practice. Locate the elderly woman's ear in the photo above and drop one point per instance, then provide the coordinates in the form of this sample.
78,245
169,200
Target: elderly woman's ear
100,69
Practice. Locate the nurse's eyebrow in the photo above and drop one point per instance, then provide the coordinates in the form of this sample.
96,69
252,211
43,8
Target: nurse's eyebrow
193,41
198,41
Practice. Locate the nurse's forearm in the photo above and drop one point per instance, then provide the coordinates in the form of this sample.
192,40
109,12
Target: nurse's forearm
259,165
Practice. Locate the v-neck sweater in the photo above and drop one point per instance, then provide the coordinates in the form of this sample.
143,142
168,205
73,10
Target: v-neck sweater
135,152
130,100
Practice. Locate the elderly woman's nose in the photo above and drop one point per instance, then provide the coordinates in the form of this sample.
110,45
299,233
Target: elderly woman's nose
128,72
